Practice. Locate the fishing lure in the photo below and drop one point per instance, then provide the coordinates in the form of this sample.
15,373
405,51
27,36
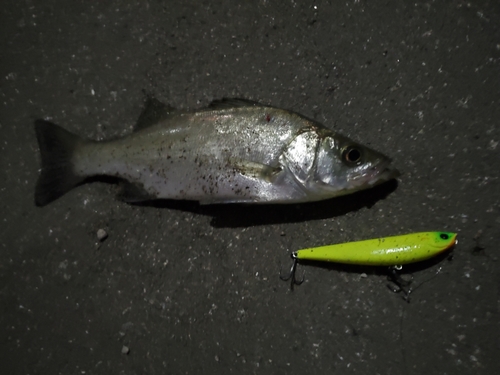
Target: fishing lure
387,251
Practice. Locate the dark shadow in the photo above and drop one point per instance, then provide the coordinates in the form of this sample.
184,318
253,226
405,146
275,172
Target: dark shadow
245,215
236,215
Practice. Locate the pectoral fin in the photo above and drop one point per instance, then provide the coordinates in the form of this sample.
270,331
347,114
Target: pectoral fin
257,170
252,171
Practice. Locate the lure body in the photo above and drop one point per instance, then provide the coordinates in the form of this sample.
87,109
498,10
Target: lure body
387,251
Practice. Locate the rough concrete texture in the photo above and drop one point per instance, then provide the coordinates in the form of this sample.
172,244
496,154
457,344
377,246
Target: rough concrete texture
180,289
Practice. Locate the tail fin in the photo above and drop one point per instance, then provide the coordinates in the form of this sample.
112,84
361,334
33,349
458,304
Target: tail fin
56,147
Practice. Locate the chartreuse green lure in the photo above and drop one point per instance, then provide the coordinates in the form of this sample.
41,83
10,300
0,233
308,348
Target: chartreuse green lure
385,251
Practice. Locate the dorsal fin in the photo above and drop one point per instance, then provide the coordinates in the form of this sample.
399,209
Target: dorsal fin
154,112
226,103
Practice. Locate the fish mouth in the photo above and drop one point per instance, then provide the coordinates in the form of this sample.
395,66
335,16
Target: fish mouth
379,173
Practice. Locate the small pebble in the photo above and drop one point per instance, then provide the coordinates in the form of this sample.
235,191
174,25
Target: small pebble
125,350
363,275
102,234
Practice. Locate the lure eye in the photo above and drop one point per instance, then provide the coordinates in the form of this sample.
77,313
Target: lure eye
351,155
444,236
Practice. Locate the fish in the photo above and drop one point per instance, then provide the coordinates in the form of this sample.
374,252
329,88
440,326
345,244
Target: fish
233,151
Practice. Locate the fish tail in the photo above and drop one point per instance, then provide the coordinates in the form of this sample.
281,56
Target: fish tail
57,147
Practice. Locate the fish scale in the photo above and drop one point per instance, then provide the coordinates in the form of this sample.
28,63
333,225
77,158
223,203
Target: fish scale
234,151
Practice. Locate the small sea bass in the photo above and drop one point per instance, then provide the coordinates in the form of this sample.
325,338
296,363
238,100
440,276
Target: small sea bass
234,151
388,251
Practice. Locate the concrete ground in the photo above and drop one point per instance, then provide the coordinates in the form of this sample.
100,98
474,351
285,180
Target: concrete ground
177,288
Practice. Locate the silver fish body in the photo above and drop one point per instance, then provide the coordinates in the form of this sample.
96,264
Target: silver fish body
234,151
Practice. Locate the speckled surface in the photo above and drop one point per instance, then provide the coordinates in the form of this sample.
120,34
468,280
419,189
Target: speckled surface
179,289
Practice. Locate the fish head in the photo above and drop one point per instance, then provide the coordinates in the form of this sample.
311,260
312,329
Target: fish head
344,166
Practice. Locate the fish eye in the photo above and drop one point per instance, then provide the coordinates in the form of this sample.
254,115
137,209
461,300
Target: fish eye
444,236
351,154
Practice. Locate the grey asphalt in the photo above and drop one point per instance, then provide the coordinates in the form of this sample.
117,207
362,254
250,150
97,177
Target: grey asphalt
177,288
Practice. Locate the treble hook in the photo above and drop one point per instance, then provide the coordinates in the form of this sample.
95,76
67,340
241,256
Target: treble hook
400,284
293,269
